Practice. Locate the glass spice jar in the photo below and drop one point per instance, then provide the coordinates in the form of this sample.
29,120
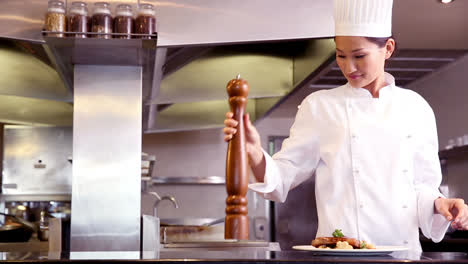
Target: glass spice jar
89,25
146,20
101,21
78,19
123,21
55,19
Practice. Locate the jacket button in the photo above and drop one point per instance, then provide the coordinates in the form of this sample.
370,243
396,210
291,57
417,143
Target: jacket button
405,206
405,171
354,136
409,136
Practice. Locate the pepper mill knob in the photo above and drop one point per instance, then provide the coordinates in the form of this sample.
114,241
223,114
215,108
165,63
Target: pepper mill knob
238,87
237,177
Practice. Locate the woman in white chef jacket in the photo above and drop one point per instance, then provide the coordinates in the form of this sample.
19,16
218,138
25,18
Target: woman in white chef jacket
372,145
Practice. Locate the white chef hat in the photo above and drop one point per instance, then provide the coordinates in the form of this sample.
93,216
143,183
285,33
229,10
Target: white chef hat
365,18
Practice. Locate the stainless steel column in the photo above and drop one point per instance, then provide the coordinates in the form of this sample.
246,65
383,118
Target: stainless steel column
106,158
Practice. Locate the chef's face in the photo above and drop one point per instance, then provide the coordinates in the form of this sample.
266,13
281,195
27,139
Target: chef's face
362,61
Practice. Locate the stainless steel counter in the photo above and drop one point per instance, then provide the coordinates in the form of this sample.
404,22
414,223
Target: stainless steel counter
227,257
24,246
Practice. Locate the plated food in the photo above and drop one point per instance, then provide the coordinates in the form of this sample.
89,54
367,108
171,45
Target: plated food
340,241
340,245
379,251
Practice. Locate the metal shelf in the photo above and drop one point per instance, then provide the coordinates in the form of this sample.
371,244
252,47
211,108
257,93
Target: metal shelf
35,197
98,51
71,34
190,180
454,153
65,52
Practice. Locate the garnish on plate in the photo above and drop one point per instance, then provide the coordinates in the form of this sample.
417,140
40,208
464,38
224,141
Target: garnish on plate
338,233
340,241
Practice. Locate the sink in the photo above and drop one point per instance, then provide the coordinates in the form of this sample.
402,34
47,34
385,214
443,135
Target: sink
191,221
183,233
196,234
223,245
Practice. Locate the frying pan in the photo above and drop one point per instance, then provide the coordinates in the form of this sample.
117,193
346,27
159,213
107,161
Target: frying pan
20,232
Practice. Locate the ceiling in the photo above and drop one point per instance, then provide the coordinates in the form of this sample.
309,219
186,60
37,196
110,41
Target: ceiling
428,24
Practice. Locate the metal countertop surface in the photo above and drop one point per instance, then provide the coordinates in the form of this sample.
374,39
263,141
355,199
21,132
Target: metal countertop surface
232,256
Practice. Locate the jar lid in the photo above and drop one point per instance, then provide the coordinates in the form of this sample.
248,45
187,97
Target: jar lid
56,10
79,4
146,9
80,8
56,6
101,8
56,3
124,10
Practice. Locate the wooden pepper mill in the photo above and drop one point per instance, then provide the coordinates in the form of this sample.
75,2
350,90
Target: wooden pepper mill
237,178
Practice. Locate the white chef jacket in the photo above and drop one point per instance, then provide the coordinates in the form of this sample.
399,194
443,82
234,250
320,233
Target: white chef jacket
375,161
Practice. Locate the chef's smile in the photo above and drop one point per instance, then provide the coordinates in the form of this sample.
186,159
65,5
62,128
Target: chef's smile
354,76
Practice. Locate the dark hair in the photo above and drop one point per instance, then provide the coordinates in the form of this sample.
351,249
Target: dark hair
381,42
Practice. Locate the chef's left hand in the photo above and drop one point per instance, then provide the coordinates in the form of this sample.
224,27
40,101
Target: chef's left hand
453,209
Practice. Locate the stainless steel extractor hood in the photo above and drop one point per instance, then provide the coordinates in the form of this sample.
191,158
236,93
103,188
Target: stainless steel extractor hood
186,35
31,90
193,63
188,94
184,89
194,96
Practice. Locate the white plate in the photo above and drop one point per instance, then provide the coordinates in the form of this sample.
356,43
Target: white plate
382,250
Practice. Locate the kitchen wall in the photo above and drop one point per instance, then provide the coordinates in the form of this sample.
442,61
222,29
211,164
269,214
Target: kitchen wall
202,153
36,160
197,153
445,90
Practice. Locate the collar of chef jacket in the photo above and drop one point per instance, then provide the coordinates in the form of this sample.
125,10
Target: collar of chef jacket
384,92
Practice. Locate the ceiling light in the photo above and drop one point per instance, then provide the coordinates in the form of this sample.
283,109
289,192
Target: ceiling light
446,1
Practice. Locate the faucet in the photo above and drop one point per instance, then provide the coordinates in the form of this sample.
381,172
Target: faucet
160,199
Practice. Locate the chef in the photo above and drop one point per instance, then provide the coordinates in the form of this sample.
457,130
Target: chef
371,145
